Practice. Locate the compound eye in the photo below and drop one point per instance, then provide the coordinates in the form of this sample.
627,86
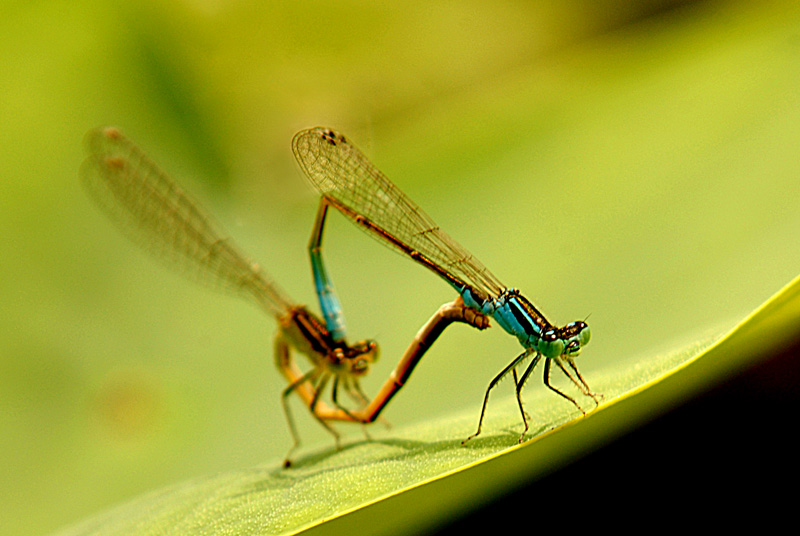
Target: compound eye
584,336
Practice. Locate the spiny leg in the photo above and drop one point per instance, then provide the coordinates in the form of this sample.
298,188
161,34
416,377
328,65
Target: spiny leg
318,388
357,394
492,384
305,389
310,376
354,394
582,385
335,399
547,383
519,401
353,389
520,385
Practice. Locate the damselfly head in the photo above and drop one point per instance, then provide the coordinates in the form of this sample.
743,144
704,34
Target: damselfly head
566,341
361,355
577,334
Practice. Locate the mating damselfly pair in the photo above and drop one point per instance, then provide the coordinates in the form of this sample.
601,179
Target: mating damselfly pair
155,212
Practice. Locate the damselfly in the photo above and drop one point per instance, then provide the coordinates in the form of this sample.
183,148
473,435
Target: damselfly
350,183
156,213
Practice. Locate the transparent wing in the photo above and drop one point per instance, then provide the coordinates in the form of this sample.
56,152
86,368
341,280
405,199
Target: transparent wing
157,214
341,172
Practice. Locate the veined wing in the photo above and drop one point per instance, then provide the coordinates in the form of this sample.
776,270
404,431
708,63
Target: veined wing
341,172
156,213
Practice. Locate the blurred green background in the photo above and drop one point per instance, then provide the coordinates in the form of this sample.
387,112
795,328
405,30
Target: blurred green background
636,161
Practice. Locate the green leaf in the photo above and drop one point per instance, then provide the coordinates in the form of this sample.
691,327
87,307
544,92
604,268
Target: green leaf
425,467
